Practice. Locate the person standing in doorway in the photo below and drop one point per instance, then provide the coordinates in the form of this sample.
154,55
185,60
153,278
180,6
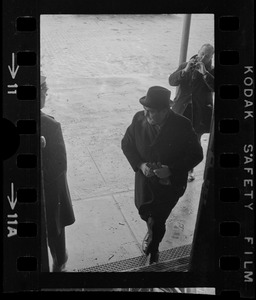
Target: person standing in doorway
58,204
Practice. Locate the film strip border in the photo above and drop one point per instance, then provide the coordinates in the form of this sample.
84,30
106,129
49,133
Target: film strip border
233,151
21,205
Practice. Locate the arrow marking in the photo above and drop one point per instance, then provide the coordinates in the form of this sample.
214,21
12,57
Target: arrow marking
13,199
13,70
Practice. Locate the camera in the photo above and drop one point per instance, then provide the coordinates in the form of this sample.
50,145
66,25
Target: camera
193,66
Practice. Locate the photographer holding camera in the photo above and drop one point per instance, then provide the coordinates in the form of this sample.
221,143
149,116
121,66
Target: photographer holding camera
194,98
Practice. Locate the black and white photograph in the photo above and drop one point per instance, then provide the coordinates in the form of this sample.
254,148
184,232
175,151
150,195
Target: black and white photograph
126,112
128,147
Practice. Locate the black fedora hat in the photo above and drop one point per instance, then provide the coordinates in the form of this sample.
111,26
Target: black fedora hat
157,97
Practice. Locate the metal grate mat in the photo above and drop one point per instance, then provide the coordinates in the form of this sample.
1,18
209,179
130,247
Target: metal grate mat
175,259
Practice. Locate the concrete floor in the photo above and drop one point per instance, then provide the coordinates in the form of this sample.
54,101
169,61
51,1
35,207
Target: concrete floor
108,227
97,68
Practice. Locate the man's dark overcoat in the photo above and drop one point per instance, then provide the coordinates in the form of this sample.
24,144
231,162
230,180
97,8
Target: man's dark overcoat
59,208
176,146
197,90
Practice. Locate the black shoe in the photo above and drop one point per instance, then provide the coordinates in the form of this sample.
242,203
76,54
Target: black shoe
148,237
191,176
60,267
146,243
154,257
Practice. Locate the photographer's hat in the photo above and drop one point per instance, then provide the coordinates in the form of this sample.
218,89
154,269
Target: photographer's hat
157,98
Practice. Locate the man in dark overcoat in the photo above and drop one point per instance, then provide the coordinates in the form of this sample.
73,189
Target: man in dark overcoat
194,98
161,147
58,204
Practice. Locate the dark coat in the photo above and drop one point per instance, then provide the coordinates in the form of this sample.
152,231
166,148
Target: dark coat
195,90
59,210
176,146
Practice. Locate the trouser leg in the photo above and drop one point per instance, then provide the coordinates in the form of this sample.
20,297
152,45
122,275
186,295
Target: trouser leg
156,222
158,232
57,245
191,175
159,224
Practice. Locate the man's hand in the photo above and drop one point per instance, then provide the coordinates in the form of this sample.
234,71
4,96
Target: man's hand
162,172
146,170
200,67
190,64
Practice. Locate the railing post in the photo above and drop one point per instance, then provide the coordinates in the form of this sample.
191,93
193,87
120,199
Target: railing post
184,40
